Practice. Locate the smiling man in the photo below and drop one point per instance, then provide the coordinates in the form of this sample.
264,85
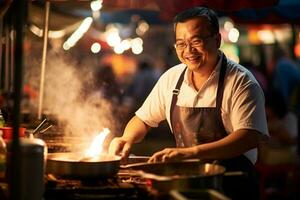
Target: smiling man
214,106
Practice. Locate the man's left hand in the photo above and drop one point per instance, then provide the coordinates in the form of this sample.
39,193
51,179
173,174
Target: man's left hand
173,154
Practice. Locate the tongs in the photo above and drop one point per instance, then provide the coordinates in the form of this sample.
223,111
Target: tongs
42,127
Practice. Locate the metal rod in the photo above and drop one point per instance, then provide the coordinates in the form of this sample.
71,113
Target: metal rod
12,36
44,130
19,9
1,48
7,64
43,65
39,126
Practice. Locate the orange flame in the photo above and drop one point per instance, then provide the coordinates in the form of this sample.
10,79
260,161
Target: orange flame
96,147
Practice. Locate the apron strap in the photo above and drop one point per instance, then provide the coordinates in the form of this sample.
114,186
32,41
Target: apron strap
220,91
175,94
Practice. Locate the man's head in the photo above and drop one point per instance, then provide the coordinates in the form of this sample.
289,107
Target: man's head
195,12
197,38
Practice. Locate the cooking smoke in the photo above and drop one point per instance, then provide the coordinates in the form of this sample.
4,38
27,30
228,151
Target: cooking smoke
71,96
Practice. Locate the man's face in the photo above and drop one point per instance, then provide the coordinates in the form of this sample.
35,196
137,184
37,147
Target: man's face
196,45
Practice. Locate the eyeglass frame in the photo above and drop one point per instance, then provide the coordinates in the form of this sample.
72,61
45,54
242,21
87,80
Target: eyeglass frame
186,44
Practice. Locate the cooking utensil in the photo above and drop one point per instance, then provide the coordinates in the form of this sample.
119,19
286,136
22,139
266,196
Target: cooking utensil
73,166
45,129
39,126
185,174
134,159
197,194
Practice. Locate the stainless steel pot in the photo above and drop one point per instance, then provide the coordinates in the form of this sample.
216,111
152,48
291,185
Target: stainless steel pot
75,166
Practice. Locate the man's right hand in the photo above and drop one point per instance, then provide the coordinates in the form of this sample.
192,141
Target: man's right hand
120,147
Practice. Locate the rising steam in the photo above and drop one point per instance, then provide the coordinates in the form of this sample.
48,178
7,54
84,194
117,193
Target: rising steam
70,96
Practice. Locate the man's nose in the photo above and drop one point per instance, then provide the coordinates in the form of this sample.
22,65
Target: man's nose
189,47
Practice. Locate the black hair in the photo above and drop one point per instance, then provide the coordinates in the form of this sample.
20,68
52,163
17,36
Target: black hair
193,12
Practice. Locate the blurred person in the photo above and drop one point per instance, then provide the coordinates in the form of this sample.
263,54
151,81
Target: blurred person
214,106
283,129
106,84
142,84
286,74
258,74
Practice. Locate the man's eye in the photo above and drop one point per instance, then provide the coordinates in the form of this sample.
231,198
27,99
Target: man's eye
197,42
180,45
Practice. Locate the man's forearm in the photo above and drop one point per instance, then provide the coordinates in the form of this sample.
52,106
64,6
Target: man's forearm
232,145
135,130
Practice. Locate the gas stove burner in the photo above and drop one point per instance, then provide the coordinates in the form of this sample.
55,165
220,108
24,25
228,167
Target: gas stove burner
126,186
111,188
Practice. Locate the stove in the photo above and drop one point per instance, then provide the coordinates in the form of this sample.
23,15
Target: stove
123,186
111,188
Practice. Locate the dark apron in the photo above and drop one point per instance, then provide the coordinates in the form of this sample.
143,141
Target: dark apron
192,126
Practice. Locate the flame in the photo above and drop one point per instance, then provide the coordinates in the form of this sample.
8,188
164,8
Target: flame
96,147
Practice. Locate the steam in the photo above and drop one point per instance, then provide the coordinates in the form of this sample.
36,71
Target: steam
71,97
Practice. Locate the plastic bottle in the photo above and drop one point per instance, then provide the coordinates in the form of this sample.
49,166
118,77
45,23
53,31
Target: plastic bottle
2,121
2,157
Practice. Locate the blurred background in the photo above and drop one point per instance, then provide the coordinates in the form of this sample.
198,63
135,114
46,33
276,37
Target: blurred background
98,60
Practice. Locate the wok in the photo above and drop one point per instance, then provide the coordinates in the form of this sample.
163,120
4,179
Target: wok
187,174
76,166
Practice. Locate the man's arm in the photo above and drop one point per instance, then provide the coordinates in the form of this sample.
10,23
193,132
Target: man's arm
134,132
234,144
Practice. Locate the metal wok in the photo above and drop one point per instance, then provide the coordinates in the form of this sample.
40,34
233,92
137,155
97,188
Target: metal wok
181,175
76,166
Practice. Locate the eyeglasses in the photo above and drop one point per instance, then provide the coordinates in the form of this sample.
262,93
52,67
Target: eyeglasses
195,43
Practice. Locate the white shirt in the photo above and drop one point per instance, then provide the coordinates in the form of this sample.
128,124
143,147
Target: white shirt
243,104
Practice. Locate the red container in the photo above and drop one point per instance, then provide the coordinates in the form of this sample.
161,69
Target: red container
7,132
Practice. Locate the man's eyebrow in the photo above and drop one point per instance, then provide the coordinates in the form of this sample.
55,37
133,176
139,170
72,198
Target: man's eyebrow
197,36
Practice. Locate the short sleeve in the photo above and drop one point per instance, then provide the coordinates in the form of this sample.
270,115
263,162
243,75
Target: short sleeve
248,109
152,112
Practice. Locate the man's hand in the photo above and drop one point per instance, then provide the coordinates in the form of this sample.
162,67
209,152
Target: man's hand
120,147
173,154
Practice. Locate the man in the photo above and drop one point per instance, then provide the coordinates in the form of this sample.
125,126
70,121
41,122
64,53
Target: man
214,106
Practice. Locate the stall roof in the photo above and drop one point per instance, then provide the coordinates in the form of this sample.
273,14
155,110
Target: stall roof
162,11
286,11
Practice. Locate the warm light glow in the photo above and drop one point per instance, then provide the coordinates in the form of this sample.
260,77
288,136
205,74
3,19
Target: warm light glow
96,47
118,49
297,50
143,27
66,46
96,147
137,49
228,25
96,14
266,36
96,5
233,35
253,37
136,41
126,44
85,25
137,45
282,35
113,38
51,34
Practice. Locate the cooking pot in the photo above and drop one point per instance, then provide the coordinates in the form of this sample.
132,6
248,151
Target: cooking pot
185,174
76,166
